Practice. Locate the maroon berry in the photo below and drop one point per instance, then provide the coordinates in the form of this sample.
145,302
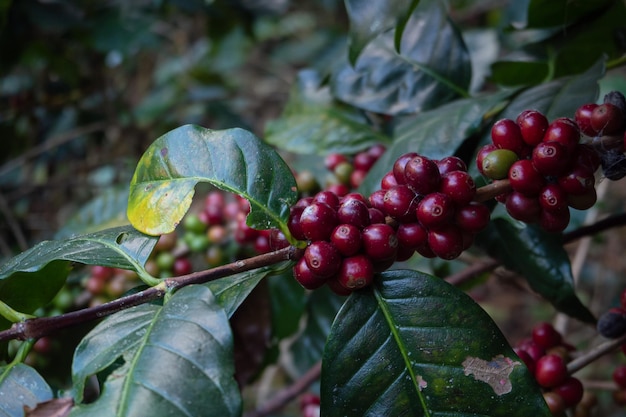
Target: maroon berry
550,158
347,239
278,240
525,178
356,177
555,403
534,350
422,175
399,166
355,196
322,258
550,371
583,201
459,186
262,244
554,222
388,181
473,217
337,288
425,251
333,159
102,273
404,253
482,153
353,211
377,150
356,272
506,134
546,336
339,189
583,119
363,161
327,197
564,131
446,242
435,209
522,207
400,202
586,156
533,125
450,164
306,277
317,221
579,180
411,235
607,119
380,242
571,390
553,198
619,376
182,266
376,216
527,359
377,199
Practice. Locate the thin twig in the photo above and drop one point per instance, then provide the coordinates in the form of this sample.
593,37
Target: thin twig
595,353
472,271
13,224
36,328
616,220
287,394
492,190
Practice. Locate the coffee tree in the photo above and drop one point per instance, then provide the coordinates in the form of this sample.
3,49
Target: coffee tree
440,161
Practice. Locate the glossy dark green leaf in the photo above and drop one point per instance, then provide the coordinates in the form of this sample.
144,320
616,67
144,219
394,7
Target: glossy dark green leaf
435,133
45,266
547,13
288,304
161,361
233,160
432,66
370,18
21,386
413,345
519,73
313,123
545,264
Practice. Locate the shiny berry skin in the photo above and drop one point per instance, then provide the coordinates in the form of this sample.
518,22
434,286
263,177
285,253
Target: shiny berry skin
317,221
337,288
182,266
496,164
506,134
380,242
564,131
582,117
435,209
554,222
356,177
422,175
353,211
339,189
327,197
579,180
377,199
550,371
355,196
376,216
523,208
571,390
525,178
533,125
363,161
277,240
399,166
612,324
545,335
356,272
450,164
607,119
446,242
322,258
550,158
553,198
388,181
473,217
619,376
411,235
482,153
555,403
333,159
400,202
377,150
306,277
459,186
527,359
347,239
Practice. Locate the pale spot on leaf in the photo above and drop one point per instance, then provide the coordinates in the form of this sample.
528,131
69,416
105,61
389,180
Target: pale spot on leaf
421,383
495,372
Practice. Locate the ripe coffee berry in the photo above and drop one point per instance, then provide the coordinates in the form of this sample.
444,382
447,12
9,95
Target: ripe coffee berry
327,197
322,258
555,403
571,390
554,222
525,178
333,159
583,201
550,158
523,208
422,175
550,371
583,119
546,336
347,239
317,221
473,217
578,180
363,161
353,211
585,155
619,376
411,235
388,181
533,125
553,198
436,209
450,164
607,119
564,131
303,274
506,134
380,242
446,242
459,186
356,272
399,166
496,164
376,215
400,202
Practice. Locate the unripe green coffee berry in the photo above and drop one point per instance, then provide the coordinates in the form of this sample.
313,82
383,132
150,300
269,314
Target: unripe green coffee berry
343,171
496,164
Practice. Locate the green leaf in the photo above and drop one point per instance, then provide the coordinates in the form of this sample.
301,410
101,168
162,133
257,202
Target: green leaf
370,18
414,345
45,266
177,360
435,133
432,67
545,264
313,123
21,386
561,13
233,160
288,304
519,72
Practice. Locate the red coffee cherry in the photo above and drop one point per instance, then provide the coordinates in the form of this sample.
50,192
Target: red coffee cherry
527,359
293,223
459,186
546,336
327,197
435,209
306,277
619,376
388,181
482,153
564,131
322,258
533,125
550,371
399,166
585,155
578,180
450,164
553,198
353,211
525,178
411,235
400,202
380,242
583,201
318,221
522,207
571,390
356,272
446,242
422,175
506,134
347,239
554,222
550,158
473,217
607,119
363,161
377,199
376,216
583,119
333,159
555,403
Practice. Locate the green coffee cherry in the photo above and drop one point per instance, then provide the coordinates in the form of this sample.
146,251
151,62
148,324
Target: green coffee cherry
497,163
